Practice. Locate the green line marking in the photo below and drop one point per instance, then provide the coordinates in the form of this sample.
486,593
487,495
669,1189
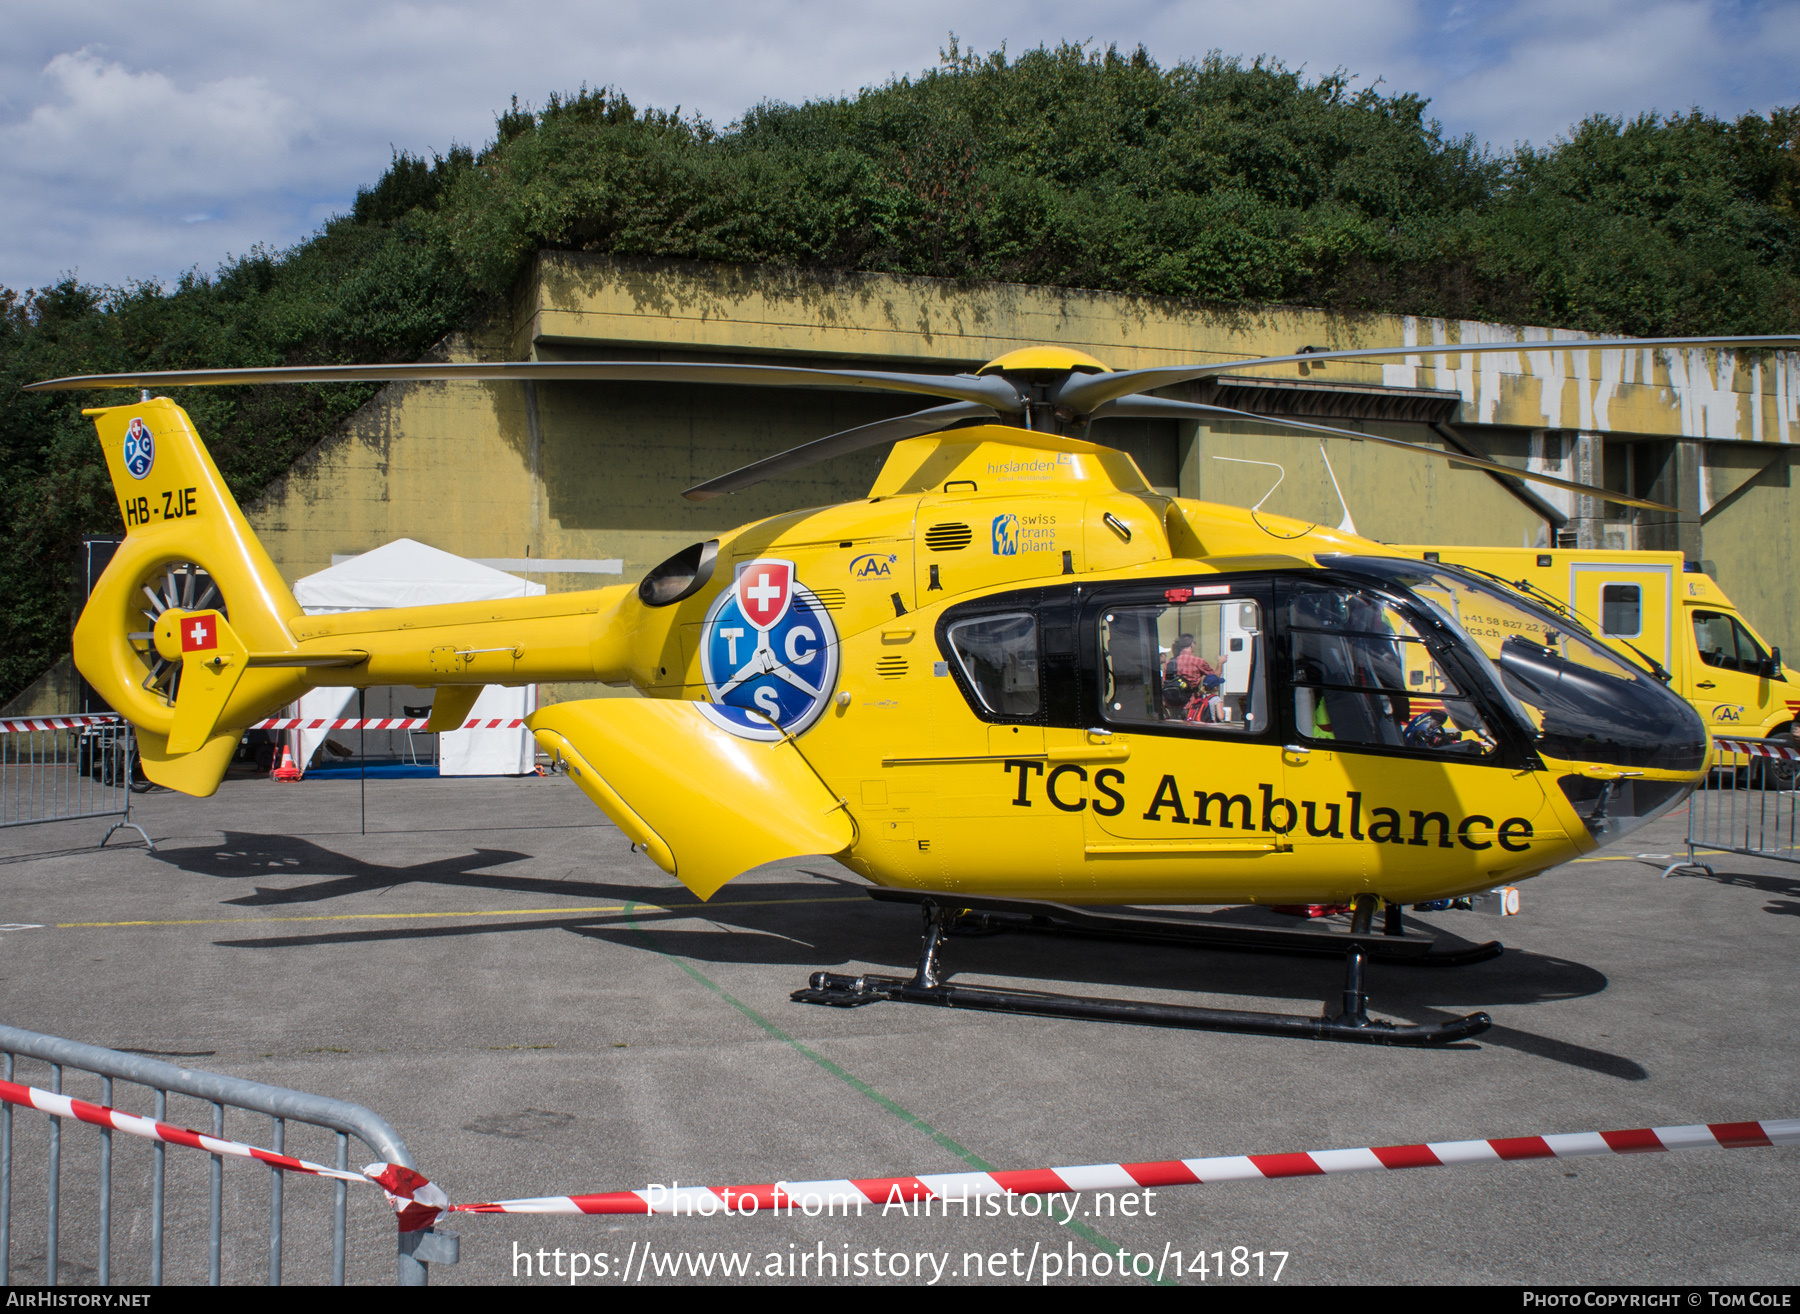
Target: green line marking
857,1084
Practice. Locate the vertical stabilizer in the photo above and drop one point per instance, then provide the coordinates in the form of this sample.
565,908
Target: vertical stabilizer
187,548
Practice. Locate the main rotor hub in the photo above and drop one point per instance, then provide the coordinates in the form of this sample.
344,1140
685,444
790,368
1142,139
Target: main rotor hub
1055,360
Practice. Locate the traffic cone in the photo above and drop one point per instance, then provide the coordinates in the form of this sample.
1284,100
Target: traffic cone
287,770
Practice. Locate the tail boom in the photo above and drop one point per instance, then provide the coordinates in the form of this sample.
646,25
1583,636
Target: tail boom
182,524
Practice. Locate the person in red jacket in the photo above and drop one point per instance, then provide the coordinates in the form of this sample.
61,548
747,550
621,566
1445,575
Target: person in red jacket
1183,677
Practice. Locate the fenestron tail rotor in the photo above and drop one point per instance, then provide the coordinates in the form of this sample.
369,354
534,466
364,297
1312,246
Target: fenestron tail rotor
181,585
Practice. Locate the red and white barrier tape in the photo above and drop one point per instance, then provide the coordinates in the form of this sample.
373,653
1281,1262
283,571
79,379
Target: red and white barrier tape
1758,748
956,1187
62,1106
418,1201
412,1196
25,724
382,723
20,725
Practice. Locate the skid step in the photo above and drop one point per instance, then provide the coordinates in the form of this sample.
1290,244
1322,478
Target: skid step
840,991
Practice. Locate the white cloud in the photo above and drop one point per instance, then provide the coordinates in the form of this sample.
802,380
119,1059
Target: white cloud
1556,64
120,123
151,136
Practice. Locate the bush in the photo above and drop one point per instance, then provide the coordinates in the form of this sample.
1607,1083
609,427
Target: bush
1219,181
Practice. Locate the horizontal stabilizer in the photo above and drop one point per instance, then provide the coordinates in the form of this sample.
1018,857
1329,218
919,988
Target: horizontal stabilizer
305,660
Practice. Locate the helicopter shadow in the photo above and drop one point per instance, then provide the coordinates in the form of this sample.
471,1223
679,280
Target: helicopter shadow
761,925
1518,978
813,920
245,856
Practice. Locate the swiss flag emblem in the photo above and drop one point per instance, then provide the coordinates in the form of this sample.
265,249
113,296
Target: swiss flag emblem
200,633
764,590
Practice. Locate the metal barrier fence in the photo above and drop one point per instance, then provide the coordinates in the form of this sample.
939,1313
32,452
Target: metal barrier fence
282,1106
1749,804
65,768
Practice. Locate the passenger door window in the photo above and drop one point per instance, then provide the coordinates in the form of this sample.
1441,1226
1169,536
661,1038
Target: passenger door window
1194,664
1362,675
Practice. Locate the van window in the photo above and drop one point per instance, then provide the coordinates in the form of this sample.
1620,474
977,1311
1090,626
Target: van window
999,658
1194,664
1621,610
1726,644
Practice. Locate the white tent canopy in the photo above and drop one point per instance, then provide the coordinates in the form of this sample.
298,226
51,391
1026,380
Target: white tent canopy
409,574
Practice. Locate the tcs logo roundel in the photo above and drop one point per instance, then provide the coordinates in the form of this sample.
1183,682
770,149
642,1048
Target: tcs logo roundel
140,448
768,652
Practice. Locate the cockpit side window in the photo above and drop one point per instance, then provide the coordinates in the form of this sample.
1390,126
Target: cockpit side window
1575,698
1361,674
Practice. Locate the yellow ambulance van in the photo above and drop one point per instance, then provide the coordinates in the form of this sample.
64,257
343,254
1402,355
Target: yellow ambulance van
1650,603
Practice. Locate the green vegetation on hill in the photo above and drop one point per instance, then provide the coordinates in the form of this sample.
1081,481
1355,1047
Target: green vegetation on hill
1218,181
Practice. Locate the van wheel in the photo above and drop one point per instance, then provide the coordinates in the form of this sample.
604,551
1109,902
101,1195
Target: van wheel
1776,773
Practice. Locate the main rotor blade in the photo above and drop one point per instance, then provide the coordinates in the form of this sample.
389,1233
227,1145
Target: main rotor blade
1459,458
1149,408
837,444
992,392
1082,393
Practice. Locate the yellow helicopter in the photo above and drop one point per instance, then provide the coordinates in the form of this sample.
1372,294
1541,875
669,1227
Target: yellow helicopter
1011,684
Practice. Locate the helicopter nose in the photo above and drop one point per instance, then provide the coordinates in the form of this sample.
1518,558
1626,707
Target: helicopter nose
1604,714
1612,808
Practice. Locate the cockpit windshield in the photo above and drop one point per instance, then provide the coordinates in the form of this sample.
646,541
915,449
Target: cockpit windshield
1580,701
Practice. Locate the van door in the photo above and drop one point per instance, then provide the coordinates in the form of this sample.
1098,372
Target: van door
1629,601
1733,685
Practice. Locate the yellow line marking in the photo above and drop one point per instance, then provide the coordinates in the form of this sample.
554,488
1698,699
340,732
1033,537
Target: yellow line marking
485,912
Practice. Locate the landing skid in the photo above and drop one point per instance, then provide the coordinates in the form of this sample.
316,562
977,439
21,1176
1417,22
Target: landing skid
1397,943
947,913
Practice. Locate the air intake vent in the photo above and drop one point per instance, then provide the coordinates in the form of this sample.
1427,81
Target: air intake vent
830,599
948,538
890,668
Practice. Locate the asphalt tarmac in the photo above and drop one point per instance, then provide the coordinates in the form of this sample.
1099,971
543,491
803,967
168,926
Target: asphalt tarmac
539,1010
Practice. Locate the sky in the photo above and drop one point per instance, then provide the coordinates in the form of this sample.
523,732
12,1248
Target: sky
138,141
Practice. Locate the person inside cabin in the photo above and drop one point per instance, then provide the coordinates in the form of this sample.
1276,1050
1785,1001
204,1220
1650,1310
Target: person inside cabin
1183,677
1442,729
1210,706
